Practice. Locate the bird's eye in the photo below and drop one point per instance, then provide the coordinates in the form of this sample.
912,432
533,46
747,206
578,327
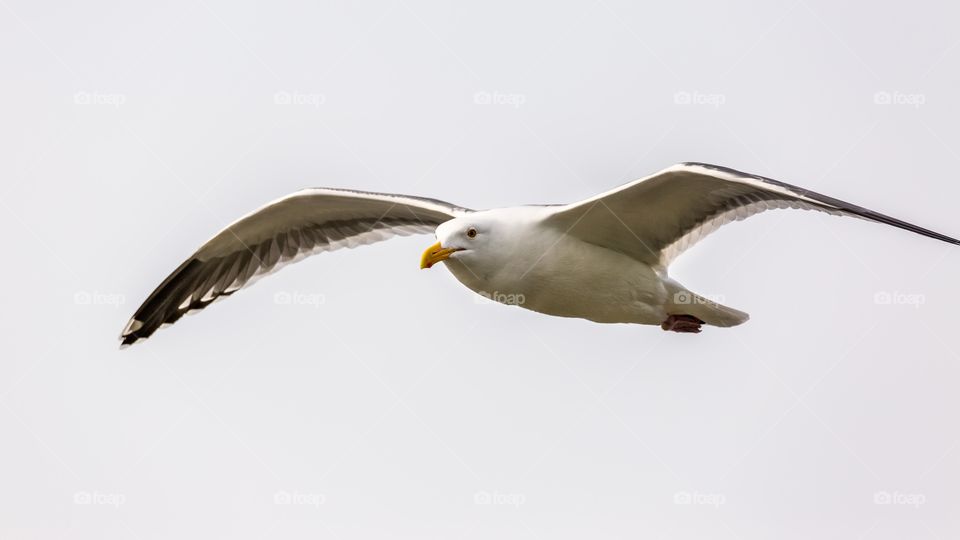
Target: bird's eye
471,233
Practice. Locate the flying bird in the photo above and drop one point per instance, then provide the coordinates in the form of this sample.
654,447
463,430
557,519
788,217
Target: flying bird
604,259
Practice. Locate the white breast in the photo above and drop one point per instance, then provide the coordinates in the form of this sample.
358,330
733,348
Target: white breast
560,275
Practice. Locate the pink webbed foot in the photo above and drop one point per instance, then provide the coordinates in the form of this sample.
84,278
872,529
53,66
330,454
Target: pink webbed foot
687,324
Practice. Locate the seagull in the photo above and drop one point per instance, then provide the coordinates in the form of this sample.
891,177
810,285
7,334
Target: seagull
604,259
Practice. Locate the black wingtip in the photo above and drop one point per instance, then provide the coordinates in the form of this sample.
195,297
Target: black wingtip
836,203
131,334
162,306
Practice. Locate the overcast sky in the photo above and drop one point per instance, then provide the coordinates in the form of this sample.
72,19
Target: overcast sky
353,396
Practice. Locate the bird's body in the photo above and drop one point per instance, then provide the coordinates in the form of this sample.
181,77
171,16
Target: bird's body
545,269
595,283
604,259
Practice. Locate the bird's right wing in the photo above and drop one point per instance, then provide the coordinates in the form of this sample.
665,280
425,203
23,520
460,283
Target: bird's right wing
656,218
288,229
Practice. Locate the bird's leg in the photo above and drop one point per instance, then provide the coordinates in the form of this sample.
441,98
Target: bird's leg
682,323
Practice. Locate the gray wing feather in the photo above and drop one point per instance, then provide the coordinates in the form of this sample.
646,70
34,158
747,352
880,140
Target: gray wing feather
285,231
668,212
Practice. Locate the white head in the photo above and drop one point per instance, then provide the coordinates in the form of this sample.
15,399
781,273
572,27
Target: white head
467,239
481,242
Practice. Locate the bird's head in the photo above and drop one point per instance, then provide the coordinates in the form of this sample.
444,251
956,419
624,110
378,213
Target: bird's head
465,239
481,244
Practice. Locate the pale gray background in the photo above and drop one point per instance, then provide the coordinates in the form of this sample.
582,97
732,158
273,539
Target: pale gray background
384,402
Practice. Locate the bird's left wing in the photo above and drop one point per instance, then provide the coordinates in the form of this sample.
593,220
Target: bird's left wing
288,229
654,219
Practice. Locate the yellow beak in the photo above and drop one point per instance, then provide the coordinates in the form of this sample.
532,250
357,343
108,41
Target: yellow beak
435,254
